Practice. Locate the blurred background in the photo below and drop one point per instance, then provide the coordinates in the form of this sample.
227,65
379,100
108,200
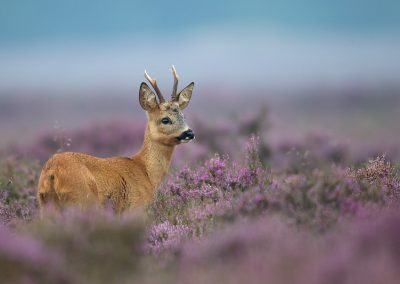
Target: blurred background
71,70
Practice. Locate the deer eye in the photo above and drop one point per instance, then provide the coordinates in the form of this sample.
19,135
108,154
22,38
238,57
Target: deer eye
166,120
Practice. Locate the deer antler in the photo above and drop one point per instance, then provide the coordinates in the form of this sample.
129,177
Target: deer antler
154,84
175,88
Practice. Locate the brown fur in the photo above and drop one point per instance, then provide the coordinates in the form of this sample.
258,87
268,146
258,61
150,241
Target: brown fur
124,183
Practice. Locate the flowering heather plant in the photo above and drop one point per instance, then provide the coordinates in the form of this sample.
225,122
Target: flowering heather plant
250,251
12,209
165,235
217,179
375,169
220,191
303,212
18,179
380,173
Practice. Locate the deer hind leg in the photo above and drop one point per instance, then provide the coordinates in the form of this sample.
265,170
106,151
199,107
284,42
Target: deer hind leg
79,192
55,193
75,196
47,196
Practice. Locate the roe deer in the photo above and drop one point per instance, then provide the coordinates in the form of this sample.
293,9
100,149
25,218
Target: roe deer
83,180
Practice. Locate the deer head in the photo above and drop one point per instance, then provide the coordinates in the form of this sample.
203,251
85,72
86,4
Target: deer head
166,123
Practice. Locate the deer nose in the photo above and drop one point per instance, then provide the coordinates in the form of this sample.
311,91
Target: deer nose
187,135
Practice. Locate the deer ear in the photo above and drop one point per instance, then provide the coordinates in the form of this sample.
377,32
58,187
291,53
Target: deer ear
185,95
147,98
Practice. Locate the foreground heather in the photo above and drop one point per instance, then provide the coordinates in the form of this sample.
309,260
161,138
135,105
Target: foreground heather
310,218
94,247
269,251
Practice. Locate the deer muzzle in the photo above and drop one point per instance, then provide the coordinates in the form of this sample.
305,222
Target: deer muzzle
186,136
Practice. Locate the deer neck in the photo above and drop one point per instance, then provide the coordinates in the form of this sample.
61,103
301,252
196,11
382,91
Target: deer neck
156,158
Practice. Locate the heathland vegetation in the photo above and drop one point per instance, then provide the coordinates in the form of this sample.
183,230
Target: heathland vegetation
235,208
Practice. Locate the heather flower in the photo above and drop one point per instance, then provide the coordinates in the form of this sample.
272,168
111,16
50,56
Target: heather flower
207,211
165,236
375,169
381,174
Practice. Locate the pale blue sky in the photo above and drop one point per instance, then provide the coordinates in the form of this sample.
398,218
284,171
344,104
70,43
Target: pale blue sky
36,20
88,44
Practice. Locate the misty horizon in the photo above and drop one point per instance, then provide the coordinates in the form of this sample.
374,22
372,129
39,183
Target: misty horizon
72,47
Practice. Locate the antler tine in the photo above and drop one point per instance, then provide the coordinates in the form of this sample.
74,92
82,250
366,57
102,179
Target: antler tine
154,84
175,88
